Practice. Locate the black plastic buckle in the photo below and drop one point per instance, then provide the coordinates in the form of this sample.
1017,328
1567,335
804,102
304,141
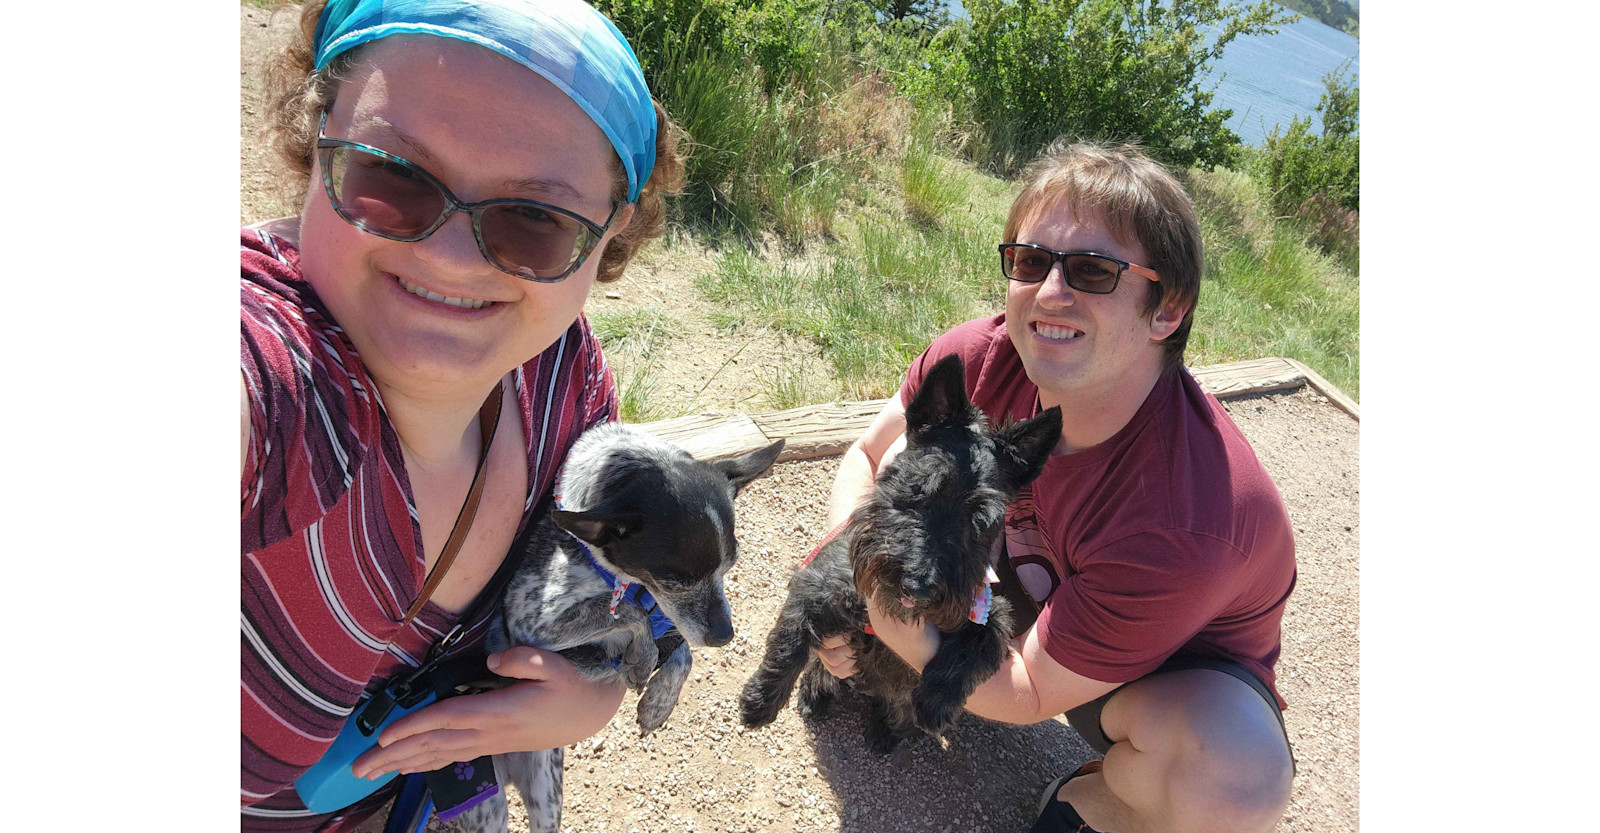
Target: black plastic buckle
406,691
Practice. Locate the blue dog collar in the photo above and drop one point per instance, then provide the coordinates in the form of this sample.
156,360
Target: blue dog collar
634,594
567,42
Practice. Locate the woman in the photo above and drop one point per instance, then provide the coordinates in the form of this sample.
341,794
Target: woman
470,171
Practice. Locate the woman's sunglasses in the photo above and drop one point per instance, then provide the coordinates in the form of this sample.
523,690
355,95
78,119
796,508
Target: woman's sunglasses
395,199
1089,272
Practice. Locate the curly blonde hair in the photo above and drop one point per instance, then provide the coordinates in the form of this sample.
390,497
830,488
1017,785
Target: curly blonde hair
296,95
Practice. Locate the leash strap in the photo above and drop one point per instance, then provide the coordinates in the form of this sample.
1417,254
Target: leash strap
454,789
488,422
412,807
832,534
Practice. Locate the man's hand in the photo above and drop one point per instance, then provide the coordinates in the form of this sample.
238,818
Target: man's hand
915,642
837,657
551,706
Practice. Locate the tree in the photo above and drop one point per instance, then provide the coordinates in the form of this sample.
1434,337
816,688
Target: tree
903,9
1107,70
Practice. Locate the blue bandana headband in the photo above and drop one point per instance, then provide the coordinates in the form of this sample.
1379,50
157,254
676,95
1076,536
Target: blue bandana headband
566,41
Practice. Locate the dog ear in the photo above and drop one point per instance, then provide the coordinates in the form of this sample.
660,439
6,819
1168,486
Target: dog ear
743,469
942,399
597,528
1024,446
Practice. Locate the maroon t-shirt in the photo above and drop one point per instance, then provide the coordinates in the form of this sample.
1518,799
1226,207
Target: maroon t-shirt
1168,538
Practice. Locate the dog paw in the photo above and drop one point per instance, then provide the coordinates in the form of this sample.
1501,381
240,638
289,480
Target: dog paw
816,706
636,676
757,708
655,706
881,740
639,662
933,714
818,690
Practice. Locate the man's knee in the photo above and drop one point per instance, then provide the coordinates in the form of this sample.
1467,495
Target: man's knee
1213,741
1248,796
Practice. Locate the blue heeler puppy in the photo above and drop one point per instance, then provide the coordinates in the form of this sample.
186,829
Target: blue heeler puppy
635,552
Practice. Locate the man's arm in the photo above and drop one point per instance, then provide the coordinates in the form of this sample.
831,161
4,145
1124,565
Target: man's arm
1029,687
858,473
858,469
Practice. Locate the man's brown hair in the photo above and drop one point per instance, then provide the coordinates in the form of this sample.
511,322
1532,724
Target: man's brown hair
1139,200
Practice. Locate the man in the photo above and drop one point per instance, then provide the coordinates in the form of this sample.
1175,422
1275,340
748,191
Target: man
1158,546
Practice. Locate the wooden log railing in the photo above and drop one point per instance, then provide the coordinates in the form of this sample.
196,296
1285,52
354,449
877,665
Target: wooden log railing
828,429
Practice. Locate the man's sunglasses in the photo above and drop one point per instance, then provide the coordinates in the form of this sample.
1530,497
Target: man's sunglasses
1089,272
394,198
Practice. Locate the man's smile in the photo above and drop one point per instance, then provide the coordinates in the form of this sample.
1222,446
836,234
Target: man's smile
1056,332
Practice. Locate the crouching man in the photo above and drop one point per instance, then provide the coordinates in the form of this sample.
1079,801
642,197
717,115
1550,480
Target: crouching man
1154,547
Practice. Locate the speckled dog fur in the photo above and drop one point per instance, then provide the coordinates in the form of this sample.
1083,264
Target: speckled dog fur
921,545
652,515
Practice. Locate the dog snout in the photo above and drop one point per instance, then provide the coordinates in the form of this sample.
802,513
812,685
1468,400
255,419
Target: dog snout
719,631
920,588
719,635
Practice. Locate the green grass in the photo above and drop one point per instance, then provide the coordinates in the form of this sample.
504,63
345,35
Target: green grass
873,297
757,161
791,386
636,388
1268,291
630,337
931,191
632,327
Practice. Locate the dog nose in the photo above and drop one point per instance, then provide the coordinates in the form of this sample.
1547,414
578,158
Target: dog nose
919,588
719,634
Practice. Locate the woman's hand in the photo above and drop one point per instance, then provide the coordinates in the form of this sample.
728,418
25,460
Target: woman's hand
551,706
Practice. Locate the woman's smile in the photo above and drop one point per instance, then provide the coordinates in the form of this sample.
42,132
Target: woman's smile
462,303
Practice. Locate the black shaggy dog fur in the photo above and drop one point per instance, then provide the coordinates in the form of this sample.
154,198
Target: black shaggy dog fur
921,544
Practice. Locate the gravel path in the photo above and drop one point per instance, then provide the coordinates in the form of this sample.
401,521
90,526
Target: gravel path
702,772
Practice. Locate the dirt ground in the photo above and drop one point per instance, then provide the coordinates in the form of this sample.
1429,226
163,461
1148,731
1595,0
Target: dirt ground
703,772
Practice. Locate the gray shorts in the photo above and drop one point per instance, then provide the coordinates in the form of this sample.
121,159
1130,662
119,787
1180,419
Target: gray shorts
1086,718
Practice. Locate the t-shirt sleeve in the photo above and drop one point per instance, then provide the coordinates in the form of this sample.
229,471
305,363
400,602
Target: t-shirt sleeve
971,341
309,412
1136,601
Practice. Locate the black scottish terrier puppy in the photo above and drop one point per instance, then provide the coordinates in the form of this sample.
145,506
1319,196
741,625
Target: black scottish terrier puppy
921,545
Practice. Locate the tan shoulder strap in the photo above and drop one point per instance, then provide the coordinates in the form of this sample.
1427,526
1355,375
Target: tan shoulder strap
488,421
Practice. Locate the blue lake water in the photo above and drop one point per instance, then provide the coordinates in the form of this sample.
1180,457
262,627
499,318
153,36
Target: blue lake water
1270,79
1267,80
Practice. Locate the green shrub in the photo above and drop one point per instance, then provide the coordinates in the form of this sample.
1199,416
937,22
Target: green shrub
660,30
721,109
774,116
1316,180
1102,69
